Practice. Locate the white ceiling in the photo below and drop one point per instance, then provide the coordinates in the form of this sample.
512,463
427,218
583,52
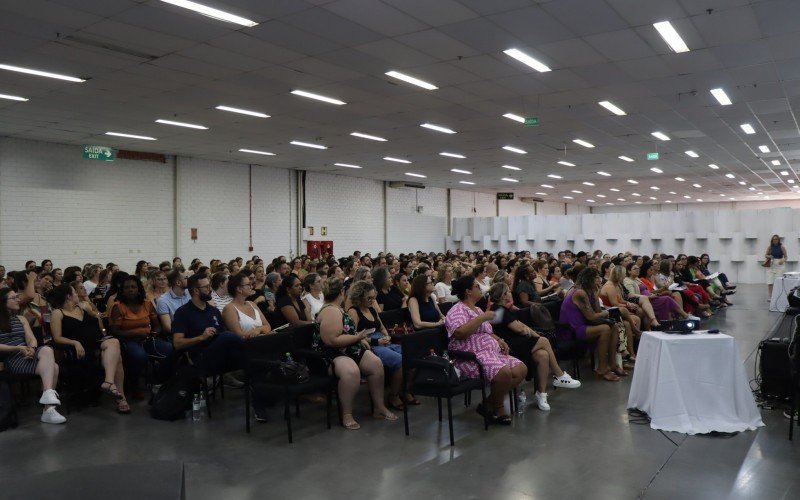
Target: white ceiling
168,62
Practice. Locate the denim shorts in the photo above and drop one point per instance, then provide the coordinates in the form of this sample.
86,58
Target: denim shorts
390,355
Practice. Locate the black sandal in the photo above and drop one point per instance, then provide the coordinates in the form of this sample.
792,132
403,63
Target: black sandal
502,419
109,389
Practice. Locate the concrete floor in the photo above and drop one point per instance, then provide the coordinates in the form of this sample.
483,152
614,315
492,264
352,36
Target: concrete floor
584,448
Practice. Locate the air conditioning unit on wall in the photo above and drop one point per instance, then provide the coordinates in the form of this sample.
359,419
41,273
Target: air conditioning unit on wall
404,184
530,199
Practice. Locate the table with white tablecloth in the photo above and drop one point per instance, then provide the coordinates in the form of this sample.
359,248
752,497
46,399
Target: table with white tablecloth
780,288
694,384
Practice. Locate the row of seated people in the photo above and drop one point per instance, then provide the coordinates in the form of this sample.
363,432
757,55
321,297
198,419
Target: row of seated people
142,319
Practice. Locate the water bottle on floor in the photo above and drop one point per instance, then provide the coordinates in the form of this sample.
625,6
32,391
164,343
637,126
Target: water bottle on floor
522,400
197,412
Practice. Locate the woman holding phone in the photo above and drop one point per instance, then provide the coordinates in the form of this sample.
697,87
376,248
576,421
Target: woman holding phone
348,353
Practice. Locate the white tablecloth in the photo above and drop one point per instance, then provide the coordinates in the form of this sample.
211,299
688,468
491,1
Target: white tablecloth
694,384
779,290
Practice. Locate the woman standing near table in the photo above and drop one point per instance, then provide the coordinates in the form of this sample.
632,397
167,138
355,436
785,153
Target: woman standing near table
776,253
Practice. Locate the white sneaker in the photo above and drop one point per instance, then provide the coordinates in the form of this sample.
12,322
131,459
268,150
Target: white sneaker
49,397
51,416
693,318
541,401
566,382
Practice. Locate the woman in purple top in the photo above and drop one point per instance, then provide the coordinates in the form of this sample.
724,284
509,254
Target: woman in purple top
469,330
582,311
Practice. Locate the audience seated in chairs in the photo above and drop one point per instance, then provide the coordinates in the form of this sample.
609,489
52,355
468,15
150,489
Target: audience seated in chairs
348,351
171,301
312,293
527,345
157,285
271,284
240,315
422,305
662,307
581,310
32,305
444,286
469,330
219,290
393,297
288,304
134,322
22,355
75,324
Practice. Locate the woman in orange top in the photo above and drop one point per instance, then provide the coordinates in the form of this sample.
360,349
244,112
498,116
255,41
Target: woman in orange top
135,323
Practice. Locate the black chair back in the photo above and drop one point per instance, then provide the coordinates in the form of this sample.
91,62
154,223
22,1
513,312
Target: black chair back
302,335
419,344
268,347
395,317
446,306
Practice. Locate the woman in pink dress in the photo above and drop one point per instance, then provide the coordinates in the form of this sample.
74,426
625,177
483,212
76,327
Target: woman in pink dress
468,329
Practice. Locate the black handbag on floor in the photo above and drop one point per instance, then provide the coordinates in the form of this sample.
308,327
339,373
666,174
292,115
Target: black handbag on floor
287,372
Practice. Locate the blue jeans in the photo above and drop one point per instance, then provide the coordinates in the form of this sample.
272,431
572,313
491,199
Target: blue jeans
390,355
224,353
135,353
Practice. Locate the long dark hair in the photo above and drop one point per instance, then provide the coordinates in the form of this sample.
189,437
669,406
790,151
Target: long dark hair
140,296
418,289
5,313
116,282
58,296
587,280
286,284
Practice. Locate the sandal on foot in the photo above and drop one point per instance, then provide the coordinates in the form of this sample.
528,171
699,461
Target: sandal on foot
620,372
352,425
608,376
385,416
109,389
123,408
411,400
399,406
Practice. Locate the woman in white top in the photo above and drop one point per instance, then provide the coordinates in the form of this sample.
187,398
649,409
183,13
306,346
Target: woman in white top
312,296
219,291
241,316
444,288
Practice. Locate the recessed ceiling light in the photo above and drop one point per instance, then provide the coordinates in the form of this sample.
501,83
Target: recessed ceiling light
609,203
731,198
554,176
604,174
614,189
467,183
590,201
308,145
763,149
687,197
452,155
698,186
631,181
36,72
759,193
577,192
730,176
566,163
656,170
784,172
132,136
626,158
346,165
515,150
751,188
257,152
568,198
748,129
660,135
672,192
655,188
542,194
692,154
367,136
743,183
671,36
318,97
437,128
181,124
410,79
635,194
721,96
459,171
712,166
588,183
620,199
790,181
776,162
527,60
653,198
614,109
601,196
668,201
212,12
510,167
583,143
243,111
508,179
679,179
13,97
412,174
548,186
516,118
397,160
721,194
699,199
638,202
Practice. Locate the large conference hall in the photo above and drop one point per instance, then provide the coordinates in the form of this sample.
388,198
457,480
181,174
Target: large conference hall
391,249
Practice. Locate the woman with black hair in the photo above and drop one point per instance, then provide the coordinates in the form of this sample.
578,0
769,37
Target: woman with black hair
469,330
135,323
288,303
116,285
75,324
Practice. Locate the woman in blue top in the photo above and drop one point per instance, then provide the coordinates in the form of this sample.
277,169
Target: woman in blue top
777,252
422,304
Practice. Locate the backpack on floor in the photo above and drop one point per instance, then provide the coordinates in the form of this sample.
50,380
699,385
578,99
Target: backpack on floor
174,398
8,413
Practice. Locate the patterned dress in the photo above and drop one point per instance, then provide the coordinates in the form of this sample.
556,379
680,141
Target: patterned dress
17,363
481,343
353,351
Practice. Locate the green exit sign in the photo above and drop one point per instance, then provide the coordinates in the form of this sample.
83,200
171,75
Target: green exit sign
652,156
505,196
102,153
533,121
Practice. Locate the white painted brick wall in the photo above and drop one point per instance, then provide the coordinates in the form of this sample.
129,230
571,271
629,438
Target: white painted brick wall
56,205
409,230
351,208
462,203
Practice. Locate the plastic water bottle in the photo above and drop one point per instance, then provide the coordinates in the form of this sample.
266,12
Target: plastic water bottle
289,357
445,355
197,412
522,400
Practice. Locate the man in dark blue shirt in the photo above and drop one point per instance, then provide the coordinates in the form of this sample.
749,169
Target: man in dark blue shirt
198,329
